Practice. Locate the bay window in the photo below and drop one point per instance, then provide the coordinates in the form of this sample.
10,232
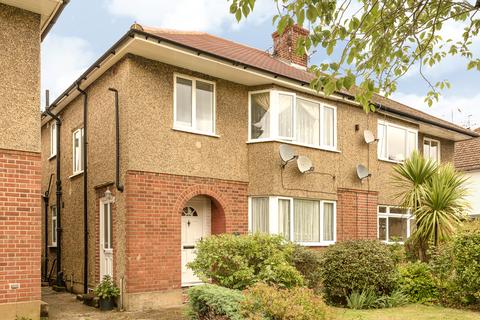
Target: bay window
284,116
394,224
194,105
396,143
431,149
308,222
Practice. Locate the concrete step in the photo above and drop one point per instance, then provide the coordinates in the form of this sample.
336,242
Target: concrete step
43,309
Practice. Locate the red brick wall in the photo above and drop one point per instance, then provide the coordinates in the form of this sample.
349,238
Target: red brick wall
356,214
20,225
153,232
285,45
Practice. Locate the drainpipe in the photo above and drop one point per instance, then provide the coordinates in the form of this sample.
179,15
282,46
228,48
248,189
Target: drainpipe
85,189
46,199
117,142
58,122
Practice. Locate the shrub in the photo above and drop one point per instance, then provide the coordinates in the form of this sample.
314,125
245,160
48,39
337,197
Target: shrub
237,262
366,299
355,266
209,302
263,302
457,267
399,254
416,281
308,263
106,289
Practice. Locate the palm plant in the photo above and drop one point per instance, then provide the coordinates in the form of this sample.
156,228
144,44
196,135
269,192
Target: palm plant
435,194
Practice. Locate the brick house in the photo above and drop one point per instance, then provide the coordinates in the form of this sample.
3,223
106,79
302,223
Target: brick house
23,24
182,141
467,159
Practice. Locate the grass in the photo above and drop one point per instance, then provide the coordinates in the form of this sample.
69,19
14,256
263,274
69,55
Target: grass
414,311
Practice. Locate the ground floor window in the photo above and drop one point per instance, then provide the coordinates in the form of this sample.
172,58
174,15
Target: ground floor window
394,224
305,221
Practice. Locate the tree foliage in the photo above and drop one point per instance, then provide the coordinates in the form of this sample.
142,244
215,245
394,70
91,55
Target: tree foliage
378,41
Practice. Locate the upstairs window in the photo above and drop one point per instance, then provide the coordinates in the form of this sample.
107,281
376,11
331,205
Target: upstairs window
77,151
396,143
431,149
194,105
276,115
53,139
54,226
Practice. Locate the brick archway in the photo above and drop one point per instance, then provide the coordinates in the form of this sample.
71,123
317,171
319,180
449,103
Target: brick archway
219,205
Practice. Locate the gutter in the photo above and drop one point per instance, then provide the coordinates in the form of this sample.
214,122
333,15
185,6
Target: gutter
85,188
53,19
347,98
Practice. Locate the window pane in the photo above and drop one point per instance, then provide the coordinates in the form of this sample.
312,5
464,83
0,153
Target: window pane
285,116
260,215
110,225
77,152
396,143
412,143
53,139
398,210
284,218
426,149
204,105
105,226
306,222
434,150
382,209
328,126
382,229
328,222
260,115
308,122
382,142
183,100
397,229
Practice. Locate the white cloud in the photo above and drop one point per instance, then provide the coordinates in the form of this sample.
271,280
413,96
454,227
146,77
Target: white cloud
465,109
64,59
198,15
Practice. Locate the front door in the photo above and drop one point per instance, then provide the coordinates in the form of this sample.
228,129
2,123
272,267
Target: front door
195,225
106,245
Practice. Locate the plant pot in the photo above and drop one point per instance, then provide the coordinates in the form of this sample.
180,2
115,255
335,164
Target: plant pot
106,304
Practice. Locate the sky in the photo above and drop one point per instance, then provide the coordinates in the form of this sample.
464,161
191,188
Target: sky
87,28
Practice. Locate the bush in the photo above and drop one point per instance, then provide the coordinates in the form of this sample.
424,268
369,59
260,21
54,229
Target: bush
395,299
417,282
263,302
210,302
366,299
356,266
106,289
238,262
399,254
457,267
308,263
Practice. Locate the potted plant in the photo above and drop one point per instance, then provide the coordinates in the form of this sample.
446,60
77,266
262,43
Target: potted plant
106,291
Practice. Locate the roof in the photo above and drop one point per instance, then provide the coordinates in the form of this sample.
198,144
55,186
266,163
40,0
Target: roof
49,10
263,60
467,154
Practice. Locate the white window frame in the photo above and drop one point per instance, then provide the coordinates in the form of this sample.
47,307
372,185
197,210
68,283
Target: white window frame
54,226
274,216
109,202
390,125
74,154
193,128
430,140
274,120
53,139
408,216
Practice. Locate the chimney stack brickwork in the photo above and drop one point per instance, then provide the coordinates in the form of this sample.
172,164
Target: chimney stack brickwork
285,45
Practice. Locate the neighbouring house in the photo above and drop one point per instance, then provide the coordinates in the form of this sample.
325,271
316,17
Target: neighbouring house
172,136
467,159
23,24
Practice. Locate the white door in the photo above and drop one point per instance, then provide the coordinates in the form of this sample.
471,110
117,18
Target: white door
195,225
106,245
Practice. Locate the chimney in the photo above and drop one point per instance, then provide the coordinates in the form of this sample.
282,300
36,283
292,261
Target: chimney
477,130
284,46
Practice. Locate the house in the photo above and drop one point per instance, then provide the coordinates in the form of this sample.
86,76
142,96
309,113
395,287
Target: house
467,159
23,24
171,136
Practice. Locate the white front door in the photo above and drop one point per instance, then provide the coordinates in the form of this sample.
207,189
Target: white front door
106,245
195,226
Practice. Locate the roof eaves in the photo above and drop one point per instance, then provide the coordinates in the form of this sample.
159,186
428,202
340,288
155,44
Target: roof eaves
54,18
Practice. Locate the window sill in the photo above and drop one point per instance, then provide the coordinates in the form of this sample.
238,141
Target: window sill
316,244
390,161
52,246
76,174
53,156
295,144
196,132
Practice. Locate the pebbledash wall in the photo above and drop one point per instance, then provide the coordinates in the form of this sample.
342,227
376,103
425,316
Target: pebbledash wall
163,168
20,225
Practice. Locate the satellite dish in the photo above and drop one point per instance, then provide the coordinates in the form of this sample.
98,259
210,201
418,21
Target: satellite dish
362,172
287,154
304,164
369,137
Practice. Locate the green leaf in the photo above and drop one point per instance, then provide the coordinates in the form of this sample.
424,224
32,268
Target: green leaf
238,15
329,87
